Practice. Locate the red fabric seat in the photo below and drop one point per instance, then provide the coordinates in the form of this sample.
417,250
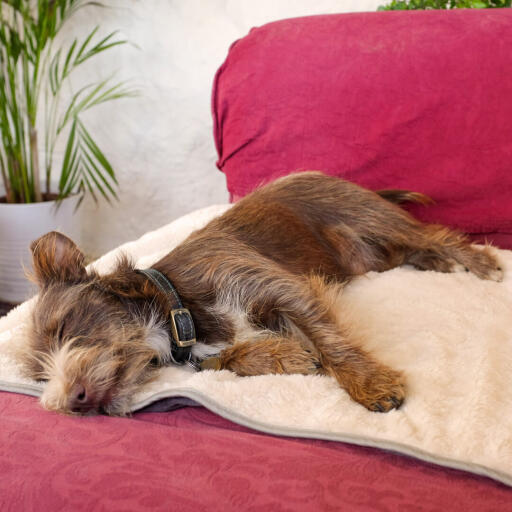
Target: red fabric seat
192,460
419,100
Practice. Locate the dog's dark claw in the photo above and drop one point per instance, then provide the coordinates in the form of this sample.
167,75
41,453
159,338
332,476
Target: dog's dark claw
392,400
397,402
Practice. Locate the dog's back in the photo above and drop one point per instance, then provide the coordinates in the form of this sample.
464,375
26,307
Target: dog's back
307,223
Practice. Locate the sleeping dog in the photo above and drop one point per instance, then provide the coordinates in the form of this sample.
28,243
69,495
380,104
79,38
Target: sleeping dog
247,293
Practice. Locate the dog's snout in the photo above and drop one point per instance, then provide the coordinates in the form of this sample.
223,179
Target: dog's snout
81,400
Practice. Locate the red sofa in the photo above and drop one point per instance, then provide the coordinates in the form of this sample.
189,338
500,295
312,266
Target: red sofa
416,100
420,100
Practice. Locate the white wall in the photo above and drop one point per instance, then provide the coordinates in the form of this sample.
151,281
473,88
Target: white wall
161,143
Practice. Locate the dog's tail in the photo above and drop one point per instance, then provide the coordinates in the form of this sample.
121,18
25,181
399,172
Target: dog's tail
404,196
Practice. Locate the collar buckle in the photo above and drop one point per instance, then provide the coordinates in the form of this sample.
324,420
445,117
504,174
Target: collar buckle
182,327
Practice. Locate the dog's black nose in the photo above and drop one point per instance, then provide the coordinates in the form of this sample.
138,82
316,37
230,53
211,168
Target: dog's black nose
80,400
80,393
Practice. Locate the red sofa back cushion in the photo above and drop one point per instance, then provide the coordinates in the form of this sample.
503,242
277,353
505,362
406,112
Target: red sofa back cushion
420,100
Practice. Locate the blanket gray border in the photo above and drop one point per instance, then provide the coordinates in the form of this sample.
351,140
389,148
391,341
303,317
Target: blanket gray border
212,405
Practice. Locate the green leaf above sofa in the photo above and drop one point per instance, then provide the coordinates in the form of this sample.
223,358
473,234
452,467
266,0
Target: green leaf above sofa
411,5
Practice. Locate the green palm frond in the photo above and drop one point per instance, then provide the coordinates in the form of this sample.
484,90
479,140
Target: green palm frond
85,167
411,5
32,76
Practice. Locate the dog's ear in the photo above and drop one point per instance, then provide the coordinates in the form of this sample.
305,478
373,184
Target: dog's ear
56,258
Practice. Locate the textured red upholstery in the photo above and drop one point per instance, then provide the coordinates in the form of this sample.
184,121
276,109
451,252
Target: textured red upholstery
192,460
420,100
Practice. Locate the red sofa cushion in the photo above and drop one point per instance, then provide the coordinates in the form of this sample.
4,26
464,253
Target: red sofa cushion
420,100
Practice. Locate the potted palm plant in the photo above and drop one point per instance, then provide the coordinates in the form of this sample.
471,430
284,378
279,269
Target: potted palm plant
37,115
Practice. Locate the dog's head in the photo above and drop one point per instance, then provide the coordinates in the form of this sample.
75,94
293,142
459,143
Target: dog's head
93,338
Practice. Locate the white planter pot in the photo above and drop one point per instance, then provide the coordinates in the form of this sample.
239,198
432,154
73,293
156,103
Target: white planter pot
20,224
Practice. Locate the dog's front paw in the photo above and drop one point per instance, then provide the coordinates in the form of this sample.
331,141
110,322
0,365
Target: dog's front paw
381,390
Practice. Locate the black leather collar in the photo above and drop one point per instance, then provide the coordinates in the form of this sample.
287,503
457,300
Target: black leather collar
183,333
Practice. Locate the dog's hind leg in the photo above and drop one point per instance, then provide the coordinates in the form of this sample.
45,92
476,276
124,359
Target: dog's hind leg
434,247
391,237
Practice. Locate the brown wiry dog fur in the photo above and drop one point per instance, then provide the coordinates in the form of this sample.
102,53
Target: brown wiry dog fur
256,282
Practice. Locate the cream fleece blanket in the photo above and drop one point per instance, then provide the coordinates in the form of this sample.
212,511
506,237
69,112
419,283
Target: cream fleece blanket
451,334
